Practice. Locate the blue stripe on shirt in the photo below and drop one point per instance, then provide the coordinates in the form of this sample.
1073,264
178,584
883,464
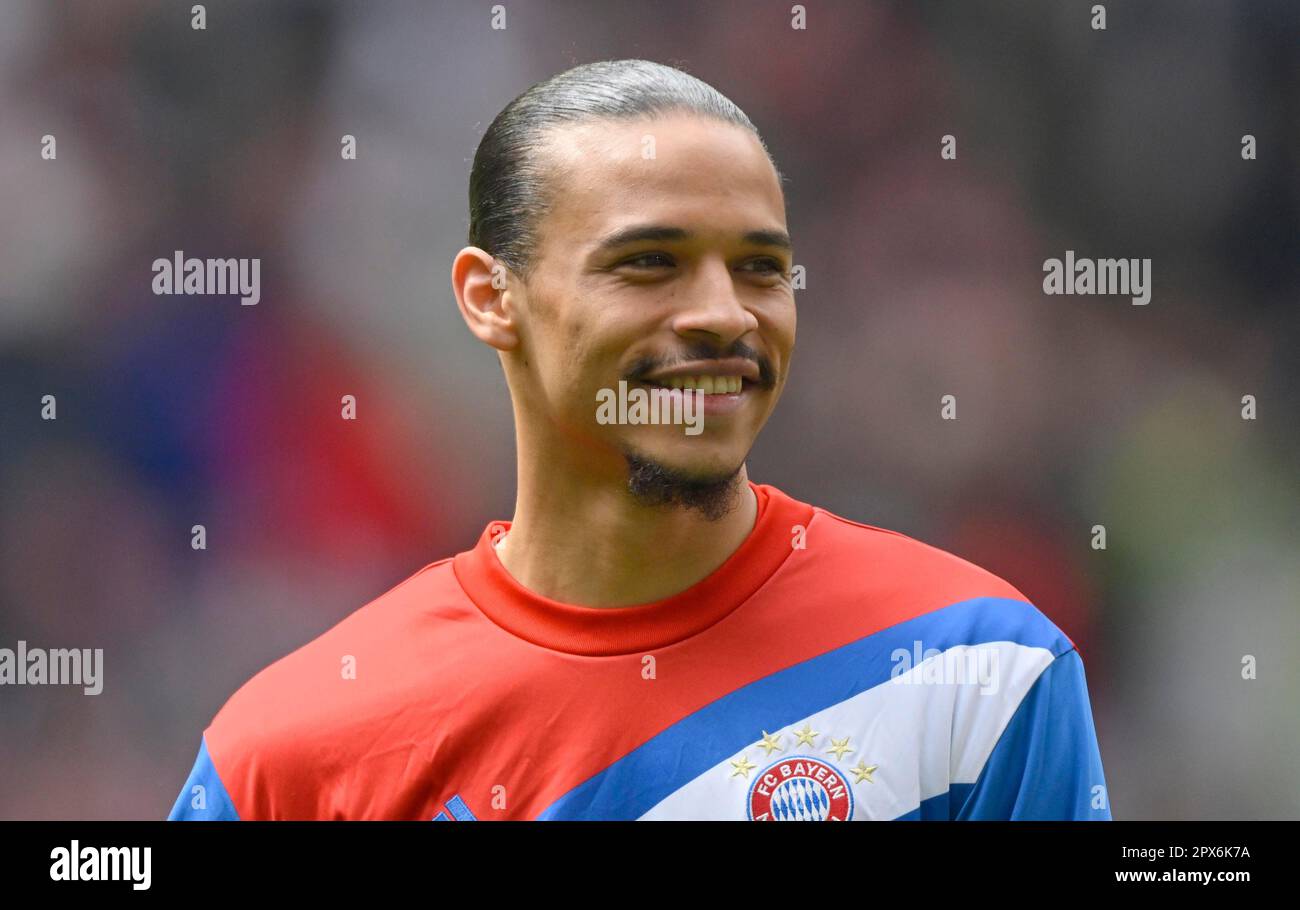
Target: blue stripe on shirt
204,796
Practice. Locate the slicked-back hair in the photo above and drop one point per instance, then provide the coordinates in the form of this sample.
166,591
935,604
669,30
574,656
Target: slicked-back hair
510,181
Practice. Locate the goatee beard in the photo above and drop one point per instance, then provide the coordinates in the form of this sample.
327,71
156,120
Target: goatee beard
653,484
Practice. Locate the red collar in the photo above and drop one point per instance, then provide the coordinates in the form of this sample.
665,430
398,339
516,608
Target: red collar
598,631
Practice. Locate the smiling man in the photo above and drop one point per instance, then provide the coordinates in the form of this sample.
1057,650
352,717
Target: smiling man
653,635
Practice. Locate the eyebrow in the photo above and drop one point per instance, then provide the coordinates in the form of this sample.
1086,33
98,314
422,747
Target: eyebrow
644,232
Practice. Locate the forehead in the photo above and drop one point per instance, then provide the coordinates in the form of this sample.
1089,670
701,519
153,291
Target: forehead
694,172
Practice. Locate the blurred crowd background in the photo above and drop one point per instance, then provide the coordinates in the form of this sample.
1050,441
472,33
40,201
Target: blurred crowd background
924,279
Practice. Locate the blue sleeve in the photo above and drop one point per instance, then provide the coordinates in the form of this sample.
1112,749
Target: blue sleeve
1046,765
204,796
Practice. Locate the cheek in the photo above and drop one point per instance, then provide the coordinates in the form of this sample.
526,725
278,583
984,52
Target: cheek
591,340
578,364
557,340
780,326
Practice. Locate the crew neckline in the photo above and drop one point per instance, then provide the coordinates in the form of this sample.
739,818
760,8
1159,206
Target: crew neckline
605,631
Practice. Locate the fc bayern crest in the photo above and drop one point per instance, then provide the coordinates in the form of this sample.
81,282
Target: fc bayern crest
800,788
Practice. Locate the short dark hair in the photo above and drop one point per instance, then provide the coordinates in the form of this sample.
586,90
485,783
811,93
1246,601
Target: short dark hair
508,191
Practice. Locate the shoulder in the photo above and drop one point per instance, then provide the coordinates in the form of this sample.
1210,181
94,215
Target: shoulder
307,717
909,579
906,557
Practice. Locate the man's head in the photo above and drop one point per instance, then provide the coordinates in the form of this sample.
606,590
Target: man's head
627,223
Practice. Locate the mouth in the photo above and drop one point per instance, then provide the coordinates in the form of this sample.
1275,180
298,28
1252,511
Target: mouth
728,376
720,397
709,385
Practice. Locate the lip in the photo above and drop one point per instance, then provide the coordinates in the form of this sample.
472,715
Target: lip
731,366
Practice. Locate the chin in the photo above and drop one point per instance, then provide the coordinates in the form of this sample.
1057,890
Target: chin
710,487
698,462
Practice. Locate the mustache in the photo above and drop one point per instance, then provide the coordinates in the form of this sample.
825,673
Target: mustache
704,351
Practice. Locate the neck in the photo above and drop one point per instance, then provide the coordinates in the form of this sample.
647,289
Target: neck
584,540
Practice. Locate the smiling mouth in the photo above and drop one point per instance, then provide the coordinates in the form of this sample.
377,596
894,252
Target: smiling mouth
709,385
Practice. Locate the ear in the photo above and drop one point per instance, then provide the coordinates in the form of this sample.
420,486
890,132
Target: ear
480,284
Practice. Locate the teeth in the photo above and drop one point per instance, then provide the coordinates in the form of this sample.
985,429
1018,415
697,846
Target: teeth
709,385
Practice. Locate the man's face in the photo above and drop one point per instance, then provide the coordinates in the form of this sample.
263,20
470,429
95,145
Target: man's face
708,301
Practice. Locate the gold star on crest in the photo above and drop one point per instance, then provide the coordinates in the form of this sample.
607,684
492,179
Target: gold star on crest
807,735
743,766
863,771
839,747
771,743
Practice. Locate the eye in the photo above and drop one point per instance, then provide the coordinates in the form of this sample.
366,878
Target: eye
773,266
664,258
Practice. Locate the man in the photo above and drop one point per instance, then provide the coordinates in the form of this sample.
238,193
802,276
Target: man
653,635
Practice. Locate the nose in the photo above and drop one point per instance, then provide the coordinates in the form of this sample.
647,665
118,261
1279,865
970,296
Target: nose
713,307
